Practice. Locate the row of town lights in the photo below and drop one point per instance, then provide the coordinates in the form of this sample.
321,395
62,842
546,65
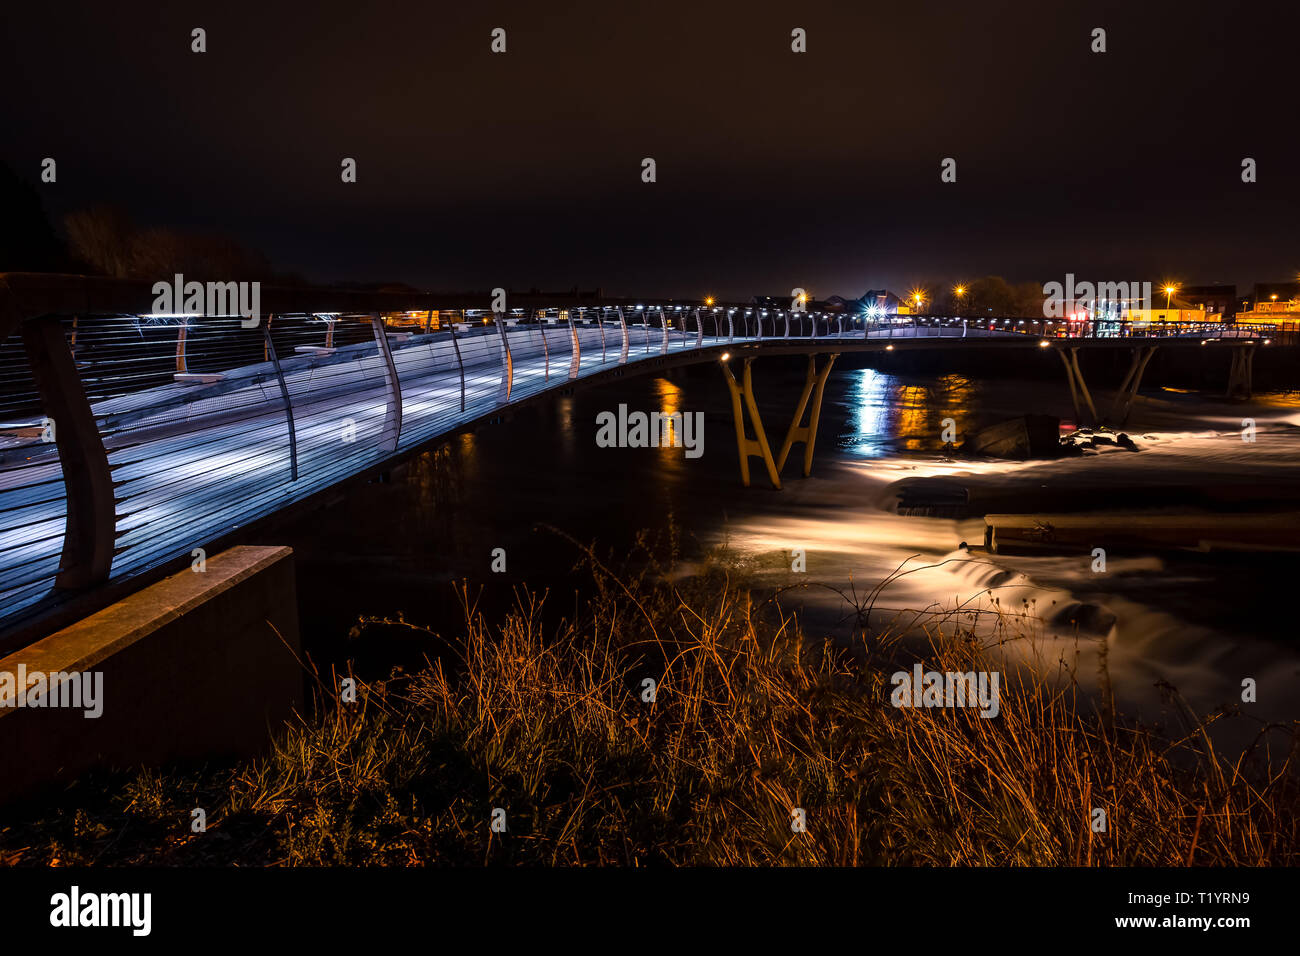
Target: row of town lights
917,296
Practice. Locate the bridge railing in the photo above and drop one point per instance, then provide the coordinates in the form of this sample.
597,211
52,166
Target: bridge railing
202,425
795,325
196,426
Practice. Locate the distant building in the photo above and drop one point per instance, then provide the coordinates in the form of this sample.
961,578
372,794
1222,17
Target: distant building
884,302
1191,305
874,302
1214,300
429,321
1265,293
1138,318
1280,312
871,302
779,303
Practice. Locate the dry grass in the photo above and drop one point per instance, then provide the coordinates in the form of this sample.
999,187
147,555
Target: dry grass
750,720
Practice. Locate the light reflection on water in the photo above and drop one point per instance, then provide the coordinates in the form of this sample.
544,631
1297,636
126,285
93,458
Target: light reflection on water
1173,618
887,414
669,402
869,413
397,545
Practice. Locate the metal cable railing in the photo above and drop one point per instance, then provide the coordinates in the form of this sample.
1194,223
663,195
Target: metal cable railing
207,425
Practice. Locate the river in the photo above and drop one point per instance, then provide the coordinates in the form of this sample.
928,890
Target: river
1202,622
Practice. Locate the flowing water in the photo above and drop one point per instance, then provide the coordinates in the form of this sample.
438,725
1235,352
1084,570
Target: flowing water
1201,622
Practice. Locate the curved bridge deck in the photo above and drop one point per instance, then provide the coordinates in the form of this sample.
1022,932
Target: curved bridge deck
263,418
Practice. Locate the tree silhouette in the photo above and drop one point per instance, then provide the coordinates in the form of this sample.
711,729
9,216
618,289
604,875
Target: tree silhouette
108,242
27,241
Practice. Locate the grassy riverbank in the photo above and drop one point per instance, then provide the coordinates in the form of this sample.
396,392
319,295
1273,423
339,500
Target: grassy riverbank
750,720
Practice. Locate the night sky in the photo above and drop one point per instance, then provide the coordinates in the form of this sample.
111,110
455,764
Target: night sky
775,169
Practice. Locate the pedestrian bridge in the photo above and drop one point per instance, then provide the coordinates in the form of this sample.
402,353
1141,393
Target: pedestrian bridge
131,443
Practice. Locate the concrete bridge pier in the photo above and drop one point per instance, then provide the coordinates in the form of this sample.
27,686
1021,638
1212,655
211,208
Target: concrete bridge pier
1242,371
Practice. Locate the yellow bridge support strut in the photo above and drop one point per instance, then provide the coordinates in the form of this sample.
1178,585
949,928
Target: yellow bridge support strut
758,447
807,433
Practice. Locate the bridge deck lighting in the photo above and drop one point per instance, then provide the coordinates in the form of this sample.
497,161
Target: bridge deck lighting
1044,344
889,348
726,356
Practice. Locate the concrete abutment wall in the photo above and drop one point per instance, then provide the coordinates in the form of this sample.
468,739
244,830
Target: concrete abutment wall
199,665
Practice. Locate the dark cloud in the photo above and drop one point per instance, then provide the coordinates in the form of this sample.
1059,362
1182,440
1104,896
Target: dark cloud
774,169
